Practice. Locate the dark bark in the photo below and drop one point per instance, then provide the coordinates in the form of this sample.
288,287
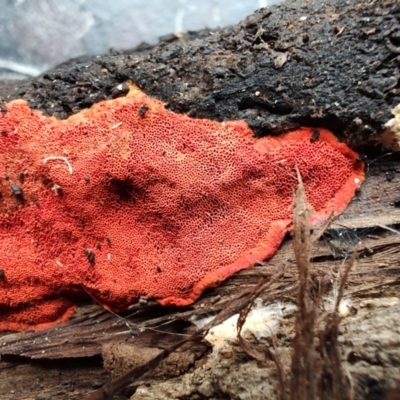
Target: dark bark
332,64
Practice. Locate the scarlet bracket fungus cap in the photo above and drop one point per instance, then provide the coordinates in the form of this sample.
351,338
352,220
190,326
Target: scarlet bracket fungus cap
127,199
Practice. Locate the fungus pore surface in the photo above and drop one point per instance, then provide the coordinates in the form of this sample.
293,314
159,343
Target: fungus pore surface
127,199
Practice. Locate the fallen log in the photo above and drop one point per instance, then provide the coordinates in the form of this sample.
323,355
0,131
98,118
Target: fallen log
333,65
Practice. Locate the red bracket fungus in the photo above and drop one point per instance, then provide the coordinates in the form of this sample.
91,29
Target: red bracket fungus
127,199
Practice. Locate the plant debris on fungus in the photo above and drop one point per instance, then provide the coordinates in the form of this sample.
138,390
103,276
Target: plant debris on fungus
147,204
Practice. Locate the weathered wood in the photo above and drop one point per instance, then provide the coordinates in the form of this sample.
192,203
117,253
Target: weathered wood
338,68
57,380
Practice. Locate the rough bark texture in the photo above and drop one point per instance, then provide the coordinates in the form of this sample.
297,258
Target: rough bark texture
334,65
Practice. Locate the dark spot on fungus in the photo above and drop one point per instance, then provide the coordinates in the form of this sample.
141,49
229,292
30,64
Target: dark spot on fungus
159,270
142,110
2,273
21,177
98,246
126,190
314,136
4,132
87,179
108,240
16,190
90,256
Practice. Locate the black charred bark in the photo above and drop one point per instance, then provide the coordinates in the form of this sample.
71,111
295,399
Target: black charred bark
332,64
